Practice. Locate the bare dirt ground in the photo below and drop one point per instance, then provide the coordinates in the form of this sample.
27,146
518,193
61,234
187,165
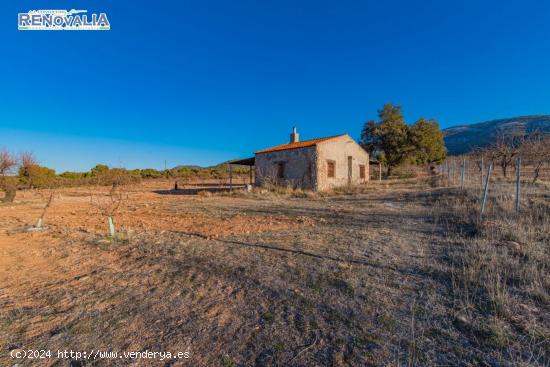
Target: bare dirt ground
356,279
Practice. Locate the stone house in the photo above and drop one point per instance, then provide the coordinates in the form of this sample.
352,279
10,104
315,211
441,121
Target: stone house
317,164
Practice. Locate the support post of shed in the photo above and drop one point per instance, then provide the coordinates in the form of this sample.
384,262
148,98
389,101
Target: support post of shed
250,173
230,177
379,171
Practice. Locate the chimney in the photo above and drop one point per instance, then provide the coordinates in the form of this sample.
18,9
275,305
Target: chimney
294,137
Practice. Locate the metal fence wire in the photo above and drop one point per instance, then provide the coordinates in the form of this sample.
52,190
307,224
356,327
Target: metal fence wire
508,184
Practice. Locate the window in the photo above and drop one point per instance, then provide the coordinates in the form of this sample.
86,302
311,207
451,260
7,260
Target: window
281,170
361,171
331,169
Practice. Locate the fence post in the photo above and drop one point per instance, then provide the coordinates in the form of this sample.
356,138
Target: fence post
230,177
482,171
518,184
486,189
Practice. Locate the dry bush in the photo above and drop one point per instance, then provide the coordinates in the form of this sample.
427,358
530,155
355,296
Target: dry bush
266,192
205,193
408,171
285,191
267,176
350,189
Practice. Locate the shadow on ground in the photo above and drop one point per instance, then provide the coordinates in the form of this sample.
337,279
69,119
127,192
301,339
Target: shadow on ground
196,190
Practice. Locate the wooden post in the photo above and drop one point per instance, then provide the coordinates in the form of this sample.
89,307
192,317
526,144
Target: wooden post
518,184
250,173
379,171
230,177
486,189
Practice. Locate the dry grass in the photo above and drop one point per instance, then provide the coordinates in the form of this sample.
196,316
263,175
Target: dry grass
500,271
399,273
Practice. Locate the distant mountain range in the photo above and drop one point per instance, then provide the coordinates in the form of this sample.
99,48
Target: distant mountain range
464,138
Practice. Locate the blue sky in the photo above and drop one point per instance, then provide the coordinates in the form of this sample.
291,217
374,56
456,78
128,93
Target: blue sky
204,81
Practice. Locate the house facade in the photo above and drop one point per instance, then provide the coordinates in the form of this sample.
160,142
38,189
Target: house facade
317,164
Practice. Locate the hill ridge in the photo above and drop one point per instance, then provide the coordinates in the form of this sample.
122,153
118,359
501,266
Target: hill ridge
463,138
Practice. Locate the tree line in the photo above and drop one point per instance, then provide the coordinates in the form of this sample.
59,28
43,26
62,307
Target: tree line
23,172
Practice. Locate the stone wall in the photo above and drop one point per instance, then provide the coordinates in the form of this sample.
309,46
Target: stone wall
300,170
307,167
338,150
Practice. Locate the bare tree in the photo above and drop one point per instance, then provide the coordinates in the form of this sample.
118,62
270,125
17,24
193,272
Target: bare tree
27,167
503,151
536,152
7,162
110,204
475,156
8,183
27,159
47,196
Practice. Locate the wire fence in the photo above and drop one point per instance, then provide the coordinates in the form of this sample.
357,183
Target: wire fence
510,183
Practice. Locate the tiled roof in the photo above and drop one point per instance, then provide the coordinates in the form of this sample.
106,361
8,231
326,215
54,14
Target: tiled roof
300,144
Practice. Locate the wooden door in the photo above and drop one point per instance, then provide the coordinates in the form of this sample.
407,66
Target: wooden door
350,172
